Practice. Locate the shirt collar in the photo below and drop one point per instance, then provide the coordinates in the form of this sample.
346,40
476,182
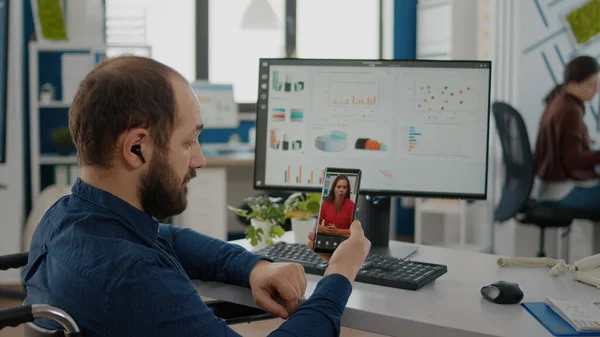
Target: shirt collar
574,99
105,201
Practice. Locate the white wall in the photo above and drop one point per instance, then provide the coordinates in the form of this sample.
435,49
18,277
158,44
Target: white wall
171,33
535,75
525,37
447,29
451,30
11,173
536,25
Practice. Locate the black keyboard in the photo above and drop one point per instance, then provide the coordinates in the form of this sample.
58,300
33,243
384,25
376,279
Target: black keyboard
377,269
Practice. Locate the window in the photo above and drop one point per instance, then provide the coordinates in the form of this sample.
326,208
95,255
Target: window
233,52
155,28
434,29
337,29
324,29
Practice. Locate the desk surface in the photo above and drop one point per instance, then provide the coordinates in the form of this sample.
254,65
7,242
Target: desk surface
451,306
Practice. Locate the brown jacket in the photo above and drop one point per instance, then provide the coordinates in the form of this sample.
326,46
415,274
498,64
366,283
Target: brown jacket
562,151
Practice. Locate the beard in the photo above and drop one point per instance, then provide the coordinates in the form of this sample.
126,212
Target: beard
162,193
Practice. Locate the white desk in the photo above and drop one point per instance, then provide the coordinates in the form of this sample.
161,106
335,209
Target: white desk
451,306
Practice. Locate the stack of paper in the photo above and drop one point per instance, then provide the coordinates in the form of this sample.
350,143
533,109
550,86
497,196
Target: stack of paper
581,315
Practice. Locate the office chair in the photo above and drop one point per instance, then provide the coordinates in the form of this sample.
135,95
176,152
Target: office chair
515,201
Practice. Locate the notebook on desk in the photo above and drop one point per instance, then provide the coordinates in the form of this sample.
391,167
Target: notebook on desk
558,326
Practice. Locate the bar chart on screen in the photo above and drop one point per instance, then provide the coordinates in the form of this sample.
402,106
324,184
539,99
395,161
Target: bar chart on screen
286,82
437,140
353,93
302,174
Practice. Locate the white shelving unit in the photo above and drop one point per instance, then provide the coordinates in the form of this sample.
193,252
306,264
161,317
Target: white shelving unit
37,107
456,208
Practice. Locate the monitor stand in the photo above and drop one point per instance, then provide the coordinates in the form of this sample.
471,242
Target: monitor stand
374,216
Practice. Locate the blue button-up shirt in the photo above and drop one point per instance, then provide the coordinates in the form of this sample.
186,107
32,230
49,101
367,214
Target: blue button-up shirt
119,272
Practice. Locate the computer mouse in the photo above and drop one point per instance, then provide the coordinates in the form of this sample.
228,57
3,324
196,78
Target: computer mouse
502,292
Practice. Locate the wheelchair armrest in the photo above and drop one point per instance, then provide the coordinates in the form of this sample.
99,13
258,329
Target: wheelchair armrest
13,261
15,316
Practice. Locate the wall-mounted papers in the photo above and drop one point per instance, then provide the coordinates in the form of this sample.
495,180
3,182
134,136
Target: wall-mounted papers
75,66
49,20
217,105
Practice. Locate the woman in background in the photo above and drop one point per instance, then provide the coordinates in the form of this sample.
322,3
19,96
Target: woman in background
337,210
565,162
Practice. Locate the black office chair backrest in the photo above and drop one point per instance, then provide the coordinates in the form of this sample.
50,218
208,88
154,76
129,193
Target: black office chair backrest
518,161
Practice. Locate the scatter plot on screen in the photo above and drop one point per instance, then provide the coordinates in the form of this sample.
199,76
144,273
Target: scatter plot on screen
441,96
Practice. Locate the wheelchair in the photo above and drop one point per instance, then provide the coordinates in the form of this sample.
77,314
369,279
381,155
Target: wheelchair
25,314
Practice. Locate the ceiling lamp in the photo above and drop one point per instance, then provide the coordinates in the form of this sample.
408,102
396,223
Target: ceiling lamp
259,16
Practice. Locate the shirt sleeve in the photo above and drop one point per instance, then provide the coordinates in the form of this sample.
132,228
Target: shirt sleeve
209,259
575,152
152,300
321,314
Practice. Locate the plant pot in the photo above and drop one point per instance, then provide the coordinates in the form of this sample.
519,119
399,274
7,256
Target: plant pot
64,150
265,226
301,228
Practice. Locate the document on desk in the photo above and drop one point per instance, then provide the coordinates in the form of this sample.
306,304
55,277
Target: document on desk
556,325
581,315
206,211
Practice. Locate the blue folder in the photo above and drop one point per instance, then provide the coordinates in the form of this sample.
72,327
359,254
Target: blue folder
552,321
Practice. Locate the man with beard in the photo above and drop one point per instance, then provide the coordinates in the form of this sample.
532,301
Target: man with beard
101,255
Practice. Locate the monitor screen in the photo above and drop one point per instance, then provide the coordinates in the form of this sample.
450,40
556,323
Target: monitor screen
3,76
414,128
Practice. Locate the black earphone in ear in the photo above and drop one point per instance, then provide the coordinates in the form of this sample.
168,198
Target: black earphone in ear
137,150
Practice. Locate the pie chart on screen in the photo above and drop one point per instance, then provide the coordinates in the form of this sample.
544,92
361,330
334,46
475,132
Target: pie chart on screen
336,141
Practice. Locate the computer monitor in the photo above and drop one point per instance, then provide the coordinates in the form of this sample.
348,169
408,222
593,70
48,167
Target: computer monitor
4,17
414,127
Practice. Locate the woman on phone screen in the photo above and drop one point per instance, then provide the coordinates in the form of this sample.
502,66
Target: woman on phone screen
337,210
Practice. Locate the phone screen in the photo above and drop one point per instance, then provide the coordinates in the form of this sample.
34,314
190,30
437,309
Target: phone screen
338,208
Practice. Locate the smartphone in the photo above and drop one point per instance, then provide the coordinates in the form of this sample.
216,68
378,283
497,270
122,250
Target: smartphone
338,208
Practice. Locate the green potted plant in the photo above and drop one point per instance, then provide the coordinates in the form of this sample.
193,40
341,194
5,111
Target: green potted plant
302,209
62,140
266,217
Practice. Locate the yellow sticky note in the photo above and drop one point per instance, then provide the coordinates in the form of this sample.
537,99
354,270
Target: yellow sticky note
51,19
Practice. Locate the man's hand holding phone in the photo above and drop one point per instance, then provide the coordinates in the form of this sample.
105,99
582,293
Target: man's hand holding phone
349,255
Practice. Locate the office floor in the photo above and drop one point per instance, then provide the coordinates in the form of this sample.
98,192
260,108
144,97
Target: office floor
255,329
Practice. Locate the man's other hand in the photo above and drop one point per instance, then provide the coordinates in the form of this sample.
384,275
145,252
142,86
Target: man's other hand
349,256
271,281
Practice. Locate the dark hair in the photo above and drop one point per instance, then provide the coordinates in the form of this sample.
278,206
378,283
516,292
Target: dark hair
118,95
331,195
577,70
